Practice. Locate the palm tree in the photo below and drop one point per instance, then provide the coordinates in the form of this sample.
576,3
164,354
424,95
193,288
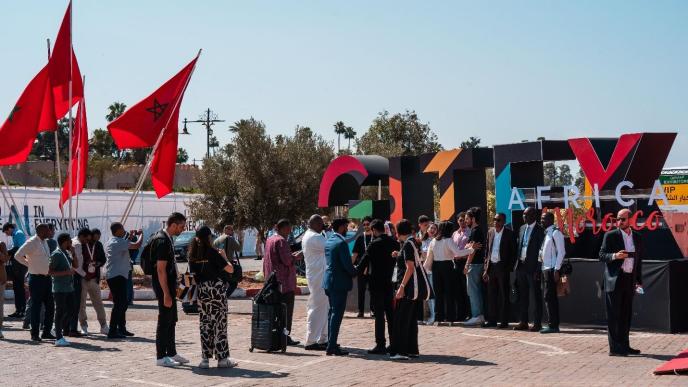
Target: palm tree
115,110
350,134
339,129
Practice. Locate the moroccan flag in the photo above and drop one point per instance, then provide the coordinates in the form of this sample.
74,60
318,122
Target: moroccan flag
62,67
76,176
19,131
142,124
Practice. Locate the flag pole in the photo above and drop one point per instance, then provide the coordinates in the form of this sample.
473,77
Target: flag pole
57,143
149,161
71,124
9,191
79,155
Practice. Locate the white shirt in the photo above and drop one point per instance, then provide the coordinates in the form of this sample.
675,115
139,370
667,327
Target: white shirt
444,250
526,240
553,249
629,246
9,241
313,244
496,241
35,254
79,256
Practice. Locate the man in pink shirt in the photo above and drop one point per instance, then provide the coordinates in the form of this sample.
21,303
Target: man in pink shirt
462,232
280,259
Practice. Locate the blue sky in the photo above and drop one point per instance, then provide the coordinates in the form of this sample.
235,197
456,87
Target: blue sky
502,71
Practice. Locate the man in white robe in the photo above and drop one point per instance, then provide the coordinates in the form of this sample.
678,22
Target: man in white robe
313,244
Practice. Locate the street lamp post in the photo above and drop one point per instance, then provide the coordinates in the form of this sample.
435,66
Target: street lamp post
207,119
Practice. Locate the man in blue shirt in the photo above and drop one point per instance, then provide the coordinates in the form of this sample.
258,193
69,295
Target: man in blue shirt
337,282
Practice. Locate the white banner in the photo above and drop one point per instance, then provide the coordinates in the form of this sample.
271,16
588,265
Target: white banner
94,209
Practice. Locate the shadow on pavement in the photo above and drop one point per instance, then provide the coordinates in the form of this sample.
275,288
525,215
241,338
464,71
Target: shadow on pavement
90,347
433,359
656,357
238,372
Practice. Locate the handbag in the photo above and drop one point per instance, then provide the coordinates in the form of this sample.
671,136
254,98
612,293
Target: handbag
421,286
563,286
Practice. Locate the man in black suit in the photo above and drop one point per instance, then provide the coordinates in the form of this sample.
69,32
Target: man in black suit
528,270
499,259
622,252
379,261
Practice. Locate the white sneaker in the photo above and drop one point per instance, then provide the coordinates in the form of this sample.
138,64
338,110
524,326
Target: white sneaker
205,364
62,343
226,363
166,362
180,359
84,331
398,357
104,329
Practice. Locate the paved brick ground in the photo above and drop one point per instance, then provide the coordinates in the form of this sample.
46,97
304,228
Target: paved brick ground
449,356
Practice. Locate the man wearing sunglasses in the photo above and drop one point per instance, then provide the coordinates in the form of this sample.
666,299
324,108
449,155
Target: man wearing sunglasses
621,251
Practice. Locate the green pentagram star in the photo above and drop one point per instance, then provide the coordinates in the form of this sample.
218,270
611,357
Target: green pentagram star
14,110
158,109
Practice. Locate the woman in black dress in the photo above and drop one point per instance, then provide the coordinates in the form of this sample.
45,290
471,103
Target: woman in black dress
210,269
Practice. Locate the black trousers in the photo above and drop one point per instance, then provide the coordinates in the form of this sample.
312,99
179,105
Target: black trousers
382,301
619,312
64,304
165,331
362,282
498,293
40,287
18,273
445,285
404,340
118,289
529,286
551,298
463,304
288,299
76,303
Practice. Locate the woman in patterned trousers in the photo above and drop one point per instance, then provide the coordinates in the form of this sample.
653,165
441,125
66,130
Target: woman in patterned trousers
210,267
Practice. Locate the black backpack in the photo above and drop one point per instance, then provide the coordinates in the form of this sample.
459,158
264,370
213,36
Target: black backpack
147,260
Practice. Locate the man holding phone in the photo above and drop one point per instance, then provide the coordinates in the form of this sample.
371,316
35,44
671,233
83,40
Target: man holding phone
621,251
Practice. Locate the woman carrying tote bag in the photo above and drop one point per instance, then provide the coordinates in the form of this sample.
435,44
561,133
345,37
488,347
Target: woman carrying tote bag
412,287
210,269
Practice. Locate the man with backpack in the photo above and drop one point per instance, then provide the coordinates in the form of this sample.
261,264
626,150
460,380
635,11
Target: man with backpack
160,252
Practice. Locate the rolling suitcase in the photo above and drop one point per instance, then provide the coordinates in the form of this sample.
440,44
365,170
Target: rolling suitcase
268,327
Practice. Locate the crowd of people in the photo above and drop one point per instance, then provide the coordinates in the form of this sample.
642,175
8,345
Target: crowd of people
443,268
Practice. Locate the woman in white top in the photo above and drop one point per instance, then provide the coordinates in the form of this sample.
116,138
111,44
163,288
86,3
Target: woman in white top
428,237
441,254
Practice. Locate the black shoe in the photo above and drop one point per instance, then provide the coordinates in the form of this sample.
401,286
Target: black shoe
47,336
359,315
413,355
35,338
315,347
338,352
115,335
292,342
126,333
521,327
15,315
489,325
75,334
503,326
623,354
633,351
536,328
378,350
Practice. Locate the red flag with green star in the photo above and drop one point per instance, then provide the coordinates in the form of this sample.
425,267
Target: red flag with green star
141,126
19,131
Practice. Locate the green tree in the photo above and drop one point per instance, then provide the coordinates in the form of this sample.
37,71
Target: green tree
549,172
472,142
218,204
182,156
115,110
564,176
339,129
349,135
396,135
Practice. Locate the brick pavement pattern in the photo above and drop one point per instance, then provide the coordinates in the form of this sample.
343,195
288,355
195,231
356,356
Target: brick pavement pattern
449,356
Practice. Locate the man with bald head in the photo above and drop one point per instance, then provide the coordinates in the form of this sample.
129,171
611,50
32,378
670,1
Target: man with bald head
313,244
622,252
528,270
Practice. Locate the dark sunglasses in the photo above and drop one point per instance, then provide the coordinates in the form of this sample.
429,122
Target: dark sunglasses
622,219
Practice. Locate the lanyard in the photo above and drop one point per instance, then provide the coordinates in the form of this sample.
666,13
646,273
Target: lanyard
365,242
65,257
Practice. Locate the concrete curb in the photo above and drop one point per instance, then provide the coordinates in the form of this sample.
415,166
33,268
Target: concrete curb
149,295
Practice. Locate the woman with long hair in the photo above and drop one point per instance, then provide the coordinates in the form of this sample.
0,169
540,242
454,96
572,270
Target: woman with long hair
210,269
441,253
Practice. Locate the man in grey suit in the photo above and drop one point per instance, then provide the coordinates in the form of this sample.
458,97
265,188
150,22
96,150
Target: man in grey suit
528,270
337,282
622,252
